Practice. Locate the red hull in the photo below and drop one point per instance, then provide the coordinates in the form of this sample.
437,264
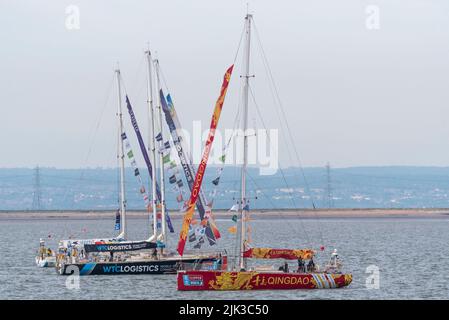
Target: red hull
254,280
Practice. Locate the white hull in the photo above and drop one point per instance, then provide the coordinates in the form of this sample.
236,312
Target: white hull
46,262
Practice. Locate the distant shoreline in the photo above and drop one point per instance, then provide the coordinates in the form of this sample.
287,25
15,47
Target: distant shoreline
219,214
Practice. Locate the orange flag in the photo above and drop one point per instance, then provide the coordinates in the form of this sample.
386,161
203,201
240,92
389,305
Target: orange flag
202,167
232,229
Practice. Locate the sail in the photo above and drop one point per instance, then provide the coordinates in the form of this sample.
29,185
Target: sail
202,166
145,156
186,162
270,253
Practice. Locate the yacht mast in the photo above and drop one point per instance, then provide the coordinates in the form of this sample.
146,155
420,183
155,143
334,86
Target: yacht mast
162,236
121,157
243,200
152,142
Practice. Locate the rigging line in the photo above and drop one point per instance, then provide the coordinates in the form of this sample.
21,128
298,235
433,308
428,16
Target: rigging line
292,198
277,208
273,86
268,137
139,70
276,96
240,42
95,132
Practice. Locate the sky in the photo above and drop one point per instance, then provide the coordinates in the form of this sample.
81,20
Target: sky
358,87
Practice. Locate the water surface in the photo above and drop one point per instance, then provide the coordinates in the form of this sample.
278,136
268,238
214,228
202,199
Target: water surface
412,256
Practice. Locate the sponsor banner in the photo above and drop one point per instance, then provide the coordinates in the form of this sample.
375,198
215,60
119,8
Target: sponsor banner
121,246
203,164
269,253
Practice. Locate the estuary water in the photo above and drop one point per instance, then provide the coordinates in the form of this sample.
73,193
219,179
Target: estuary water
411,254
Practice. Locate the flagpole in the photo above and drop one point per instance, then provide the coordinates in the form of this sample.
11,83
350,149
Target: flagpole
121,157
243,199
161,155
152,142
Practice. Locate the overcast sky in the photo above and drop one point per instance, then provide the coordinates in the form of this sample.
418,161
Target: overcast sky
354,96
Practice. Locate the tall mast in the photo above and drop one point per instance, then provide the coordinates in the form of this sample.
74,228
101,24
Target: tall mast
152,142
121,157
161,155
243,200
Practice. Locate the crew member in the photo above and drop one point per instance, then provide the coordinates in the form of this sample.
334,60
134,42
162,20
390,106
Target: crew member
311,266
300,265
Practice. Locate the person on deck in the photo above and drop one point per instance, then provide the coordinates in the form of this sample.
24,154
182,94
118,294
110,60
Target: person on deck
301,265
311,266
286,267
154,254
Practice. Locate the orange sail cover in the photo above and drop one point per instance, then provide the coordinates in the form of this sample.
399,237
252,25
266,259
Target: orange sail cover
269,253
202,167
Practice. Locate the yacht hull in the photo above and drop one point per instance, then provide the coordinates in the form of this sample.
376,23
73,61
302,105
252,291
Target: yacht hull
161,266
255,280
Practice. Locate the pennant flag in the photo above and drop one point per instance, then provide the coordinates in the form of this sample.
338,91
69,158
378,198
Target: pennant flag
166,158
179,198
192,236
235,207
200,231
203,164
216,181
143,149
232,229
172,164
117,220
179,183
246,207
167,144
159,137
200,242
136,170
234,218
223,158
123,136
172,179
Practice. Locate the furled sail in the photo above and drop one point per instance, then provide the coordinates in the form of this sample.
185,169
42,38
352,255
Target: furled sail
270,253
171,118
145,156
202,166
